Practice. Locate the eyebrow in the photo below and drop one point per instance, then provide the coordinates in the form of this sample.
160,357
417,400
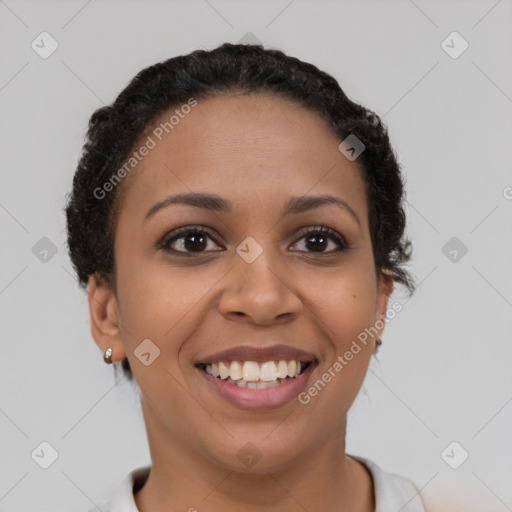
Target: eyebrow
216,203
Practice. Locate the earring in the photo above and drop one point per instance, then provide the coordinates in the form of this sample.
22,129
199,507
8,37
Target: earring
378,342
107,356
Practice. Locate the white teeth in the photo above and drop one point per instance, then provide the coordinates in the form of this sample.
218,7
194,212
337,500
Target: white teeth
282,369
224,370
235,371
252,372
268,371
292,366
254,385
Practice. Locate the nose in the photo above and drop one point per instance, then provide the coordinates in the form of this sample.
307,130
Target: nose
259,293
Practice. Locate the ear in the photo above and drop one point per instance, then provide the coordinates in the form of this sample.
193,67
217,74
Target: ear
104,317
384,289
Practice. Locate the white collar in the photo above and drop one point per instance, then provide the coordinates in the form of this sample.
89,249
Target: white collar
392,492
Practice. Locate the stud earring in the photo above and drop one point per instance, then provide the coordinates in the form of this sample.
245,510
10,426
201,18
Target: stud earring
378,342
107,356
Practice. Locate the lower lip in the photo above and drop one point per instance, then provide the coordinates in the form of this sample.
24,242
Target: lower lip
259,399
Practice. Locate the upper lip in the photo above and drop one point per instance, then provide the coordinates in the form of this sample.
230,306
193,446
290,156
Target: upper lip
259,354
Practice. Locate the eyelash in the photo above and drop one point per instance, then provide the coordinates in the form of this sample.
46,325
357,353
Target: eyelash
182,232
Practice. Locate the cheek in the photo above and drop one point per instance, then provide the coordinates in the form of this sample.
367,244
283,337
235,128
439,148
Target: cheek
346,303
159,310
340,376
352,314
346,310
162,304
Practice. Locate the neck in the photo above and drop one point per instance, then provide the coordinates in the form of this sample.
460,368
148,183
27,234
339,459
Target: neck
185,478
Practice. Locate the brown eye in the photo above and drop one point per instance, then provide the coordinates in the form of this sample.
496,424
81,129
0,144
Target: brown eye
189,240
317,240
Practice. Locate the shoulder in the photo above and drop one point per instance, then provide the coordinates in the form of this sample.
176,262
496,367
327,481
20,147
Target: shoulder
122,499
392,491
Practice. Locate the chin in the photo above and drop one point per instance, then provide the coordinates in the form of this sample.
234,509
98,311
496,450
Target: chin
260,453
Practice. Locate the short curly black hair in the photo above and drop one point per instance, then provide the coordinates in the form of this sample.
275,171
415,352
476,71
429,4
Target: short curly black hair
114,131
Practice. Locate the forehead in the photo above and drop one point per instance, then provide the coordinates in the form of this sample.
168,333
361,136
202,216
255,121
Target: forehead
243,146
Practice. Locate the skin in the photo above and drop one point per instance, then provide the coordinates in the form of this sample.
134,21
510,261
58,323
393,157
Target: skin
256,151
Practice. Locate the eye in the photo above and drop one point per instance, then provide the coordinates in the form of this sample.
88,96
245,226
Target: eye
188,239
192,239
318,238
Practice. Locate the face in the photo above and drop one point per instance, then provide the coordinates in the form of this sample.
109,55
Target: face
247,273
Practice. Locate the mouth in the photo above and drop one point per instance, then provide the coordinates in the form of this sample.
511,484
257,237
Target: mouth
258,379
254,375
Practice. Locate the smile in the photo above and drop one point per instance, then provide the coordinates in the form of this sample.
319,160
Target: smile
257,379
254,375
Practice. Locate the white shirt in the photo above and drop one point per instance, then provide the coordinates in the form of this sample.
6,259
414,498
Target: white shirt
393,492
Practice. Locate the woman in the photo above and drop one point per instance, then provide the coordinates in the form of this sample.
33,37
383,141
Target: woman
238,224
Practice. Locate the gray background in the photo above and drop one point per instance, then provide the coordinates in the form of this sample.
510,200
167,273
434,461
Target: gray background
443,372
